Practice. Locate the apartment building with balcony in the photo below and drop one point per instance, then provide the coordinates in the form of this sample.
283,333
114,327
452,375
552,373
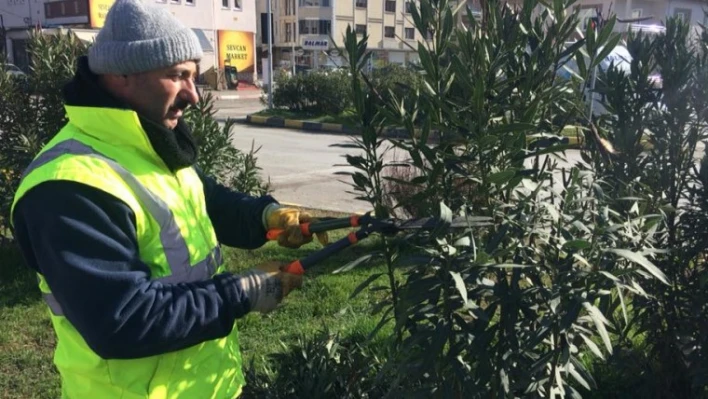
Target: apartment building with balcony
226,28
306,33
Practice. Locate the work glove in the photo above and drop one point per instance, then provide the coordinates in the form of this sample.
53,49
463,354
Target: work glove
289,220
267,284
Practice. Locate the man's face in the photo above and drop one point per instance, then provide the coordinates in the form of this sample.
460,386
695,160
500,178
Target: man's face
162,95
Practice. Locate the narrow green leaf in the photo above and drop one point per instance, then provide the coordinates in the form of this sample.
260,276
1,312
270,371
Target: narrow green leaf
385,319
582,373
351,265
365,284
502,177
611,44
599,319
577,244
642,261
505,128
460,285
593,347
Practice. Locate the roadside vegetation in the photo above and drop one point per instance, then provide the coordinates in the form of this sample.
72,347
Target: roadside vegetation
582,280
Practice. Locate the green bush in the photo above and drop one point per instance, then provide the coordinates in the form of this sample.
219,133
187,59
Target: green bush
317,92
563,267
32,112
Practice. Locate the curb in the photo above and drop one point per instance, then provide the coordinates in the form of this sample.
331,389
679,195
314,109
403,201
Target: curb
317,127
274,121
236,97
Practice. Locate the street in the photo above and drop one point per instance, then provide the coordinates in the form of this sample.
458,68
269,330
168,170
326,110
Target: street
302,166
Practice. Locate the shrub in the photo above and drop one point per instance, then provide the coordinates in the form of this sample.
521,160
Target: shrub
666,181
32,112
559,265
316,92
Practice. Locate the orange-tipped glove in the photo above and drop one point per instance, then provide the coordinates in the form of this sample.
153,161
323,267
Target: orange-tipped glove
266,285
289,220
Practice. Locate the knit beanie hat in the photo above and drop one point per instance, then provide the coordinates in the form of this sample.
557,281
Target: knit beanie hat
138,37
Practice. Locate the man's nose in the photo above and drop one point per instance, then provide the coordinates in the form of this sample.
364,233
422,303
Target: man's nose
189,92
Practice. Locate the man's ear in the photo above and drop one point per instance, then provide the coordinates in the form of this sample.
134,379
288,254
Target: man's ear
117,85
115,81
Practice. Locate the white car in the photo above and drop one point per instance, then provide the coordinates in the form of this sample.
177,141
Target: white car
621,58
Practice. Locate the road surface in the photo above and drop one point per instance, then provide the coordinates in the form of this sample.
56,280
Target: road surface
302,166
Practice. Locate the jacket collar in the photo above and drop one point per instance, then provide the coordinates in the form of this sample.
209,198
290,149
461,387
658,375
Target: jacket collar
96,112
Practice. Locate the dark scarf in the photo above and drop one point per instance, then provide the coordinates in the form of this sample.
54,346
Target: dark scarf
177,147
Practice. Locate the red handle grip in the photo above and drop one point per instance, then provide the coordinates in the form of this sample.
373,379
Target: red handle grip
294,268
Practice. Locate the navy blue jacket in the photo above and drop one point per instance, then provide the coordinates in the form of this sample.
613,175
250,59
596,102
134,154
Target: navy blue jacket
83,241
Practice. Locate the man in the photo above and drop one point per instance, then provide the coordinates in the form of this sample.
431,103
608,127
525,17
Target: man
124,232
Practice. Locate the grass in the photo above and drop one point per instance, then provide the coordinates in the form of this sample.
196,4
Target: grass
27,339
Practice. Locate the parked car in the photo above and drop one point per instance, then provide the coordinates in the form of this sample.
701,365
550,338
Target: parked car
621,59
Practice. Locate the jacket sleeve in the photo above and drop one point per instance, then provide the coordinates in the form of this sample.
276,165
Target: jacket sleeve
83,242
237,218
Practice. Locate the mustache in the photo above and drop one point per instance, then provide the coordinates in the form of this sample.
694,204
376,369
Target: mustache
180,104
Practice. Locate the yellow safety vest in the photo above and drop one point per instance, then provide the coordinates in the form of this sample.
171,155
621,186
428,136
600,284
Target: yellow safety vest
108,149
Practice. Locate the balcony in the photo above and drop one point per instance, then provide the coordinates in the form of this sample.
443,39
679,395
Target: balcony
66,12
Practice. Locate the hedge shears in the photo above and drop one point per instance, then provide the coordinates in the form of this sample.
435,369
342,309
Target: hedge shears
367,225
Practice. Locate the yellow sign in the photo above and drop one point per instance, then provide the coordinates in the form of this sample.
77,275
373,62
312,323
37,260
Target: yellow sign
97,12
236,49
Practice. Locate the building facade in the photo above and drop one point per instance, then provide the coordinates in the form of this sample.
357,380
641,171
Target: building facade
652,12
226,28
307,33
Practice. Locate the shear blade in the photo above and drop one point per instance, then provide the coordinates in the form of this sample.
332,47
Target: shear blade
431,223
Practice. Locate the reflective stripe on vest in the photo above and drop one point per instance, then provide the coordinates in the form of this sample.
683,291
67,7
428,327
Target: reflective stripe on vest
173,243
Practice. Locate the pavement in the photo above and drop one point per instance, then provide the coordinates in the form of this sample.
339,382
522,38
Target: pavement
243,93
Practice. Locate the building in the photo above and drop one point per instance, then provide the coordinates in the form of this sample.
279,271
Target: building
226,28
652,12
307,33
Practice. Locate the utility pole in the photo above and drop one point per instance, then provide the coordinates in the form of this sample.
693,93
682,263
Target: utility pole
270,54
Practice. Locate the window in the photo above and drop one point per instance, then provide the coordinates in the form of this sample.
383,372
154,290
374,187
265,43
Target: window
409,6
289,37
361,30
430,35
361,3
237,4
325,26
289,7
224,3
389,31
683,13
390,6
410,33
315,27
637,13
313,3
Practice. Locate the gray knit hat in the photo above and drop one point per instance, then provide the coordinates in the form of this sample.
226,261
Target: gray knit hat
138,37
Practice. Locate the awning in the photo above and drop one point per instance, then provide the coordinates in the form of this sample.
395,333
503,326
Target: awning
206,45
